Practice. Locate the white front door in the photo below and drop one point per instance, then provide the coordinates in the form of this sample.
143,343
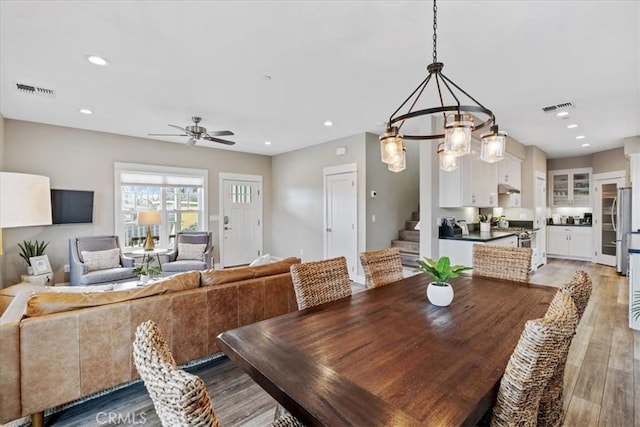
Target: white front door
241,221
341,203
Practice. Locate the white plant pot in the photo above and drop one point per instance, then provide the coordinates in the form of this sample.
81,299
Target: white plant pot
440,295
144,278
485,227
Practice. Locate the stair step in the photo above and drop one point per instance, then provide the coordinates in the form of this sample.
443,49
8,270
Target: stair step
415,216
405,246
409,260
410,225
410,235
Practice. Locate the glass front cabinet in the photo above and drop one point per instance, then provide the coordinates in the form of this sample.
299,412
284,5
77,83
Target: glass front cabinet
570,187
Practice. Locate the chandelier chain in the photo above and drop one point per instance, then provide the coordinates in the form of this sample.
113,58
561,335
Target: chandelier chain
435,26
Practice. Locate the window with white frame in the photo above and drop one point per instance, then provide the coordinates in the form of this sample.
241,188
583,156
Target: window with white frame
179,194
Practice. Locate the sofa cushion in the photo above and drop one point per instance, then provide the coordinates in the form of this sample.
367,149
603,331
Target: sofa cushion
186,265
101,260
218,277
190,251
109,275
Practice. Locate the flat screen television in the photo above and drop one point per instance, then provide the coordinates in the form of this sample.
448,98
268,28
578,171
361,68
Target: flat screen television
71,206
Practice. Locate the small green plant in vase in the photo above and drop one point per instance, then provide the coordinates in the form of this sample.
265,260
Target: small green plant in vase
440,292
29,249
146,270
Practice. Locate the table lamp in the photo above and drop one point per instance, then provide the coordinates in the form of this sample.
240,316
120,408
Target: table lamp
25,201
149,218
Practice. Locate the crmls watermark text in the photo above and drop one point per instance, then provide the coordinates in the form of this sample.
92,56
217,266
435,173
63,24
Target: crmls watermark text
119,418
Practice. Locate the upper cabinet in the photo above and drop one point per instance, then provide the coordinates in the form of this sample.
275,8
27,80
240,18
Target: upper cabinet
570,187
510,172
473,184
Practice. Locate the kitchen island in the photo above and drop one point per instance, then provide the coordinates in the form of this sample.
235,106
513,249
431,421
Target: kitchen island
459,248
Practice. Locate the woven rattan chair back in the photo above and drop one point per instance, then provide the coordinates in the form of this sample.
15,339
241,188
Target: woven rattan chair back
381,267
320,281
502,262
533,362
179,398
551,409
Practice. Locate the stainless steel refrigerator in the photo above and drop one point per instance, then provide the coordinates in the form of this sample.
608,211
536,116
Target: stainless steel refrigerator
621,220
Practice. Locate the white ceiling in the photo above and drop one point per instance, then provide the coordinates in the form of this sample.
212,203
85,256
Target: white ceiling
352,62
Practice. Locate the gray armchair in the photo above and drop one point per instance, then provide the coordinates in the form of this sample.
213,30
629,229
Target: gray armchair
101,263
199,260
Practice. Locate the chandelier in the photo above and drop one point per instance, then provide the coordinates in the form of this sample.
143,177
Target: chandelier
459,121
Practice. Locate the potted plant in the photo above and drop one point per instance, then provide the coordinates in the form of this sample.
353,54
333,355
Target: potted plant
440,292
485,225
29,249
146,270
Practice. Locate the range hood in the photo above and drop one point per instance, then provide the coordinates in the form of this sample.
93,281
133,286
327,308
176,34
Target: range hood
507,189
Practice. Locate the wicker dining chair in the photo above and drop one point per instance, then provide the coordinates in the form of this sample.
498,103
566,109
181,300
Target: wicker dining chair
179,398
502,262
533,363
318,282
551,409
381,267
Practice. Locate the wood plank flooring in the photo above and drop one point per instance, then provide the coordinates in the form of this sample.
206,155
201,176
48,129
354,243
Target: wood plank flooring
602,382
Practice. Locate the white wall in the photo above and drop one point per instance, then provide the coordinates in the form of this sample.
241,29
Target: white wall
83,160
298,196
2,257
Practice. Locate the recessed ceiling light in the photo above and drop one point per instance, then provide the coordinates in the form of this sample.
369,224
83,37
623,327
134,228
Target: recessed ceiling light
573,126
586,144
85,111
97,60
580,137
266,77
328,123
562,114
267,143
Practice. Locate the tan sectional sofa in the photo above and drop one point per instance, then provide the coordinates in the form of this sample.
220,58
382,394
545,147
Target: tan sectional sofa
56,347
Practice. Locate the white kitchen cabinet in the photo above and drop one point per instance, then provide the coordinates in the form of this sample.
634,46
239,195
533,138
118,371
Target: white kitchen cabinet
570,242
570,187
473,184
510,172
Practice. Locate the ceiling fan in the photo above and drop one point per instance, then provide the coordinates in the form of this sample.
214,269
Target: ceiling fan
196,133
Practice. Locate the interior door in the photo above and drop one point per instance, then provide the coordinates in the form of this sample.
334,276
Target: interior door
341,218
241,222
604,220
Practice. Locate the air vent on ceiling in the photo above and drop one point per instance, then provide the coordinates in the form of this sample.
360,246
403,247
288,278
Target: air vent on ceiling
35,90
561,106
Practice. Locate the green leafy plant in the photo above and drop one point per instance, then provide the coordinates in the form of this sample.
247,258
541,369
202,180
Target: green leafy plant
146,269
440,270
635,307
30,249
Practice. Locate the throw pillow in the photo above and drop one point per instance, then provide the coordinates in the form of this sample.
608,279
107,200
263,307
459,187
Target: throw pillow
190,251
263,260
101,260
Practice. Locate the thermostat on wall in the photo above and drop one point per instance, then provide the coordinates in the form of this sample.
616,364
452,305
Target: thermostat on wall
340,151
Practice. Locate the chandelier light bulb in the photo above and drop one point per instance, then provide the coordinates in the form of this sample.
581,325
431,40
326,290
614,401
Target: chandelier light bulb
448,162
493,145
401,164
391,146
457,134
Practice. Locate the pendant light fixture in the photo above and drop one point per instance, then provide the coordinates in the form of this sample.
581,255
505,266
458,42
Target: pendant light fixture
448,162
493,145
459,119
401,164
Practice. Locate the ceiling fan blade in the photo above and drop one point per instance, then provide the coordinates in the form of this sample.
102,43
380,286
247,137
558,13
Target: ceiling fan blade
221,141
220,133
167,134
178,127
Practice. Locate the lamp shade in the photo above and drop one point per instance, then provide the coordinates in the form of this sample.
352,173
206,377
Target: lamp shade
25,200
149,218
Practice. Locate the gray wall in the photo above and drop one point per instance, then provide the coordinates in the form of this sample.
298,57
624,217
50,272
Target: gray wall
610,160
570,162
298,196
83,160
398,194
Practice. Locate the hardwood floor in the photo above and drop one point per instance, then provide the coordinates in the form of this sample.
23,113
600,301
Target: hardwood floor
602,383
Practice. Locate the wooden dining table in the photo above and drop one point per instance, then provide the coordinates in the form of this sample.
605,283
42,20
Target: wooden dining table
387,357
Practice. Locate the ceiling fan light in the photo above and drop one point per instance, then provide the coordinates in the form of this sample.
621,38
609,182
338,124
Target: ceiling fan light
448,162
391,146
191,141
493,145
401,164
457,134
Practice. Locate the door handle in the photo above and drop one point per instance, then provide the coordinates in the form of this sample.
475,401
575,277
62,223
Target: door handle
227,228
613,207
329,230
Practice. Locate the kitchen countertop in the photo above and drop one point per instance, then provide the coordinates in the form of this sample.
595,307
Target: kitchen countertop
569,225
476,236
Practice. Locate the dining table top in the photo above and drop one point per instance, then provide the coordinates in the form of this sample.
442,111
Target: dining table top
387,357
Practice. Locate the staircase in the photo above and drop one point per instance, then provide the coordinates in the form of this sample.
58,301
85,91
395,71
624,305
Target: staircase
409,242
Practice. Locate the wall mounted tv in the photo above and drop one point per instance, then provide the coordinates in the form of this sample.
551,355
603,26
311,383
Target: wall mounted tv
71,206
